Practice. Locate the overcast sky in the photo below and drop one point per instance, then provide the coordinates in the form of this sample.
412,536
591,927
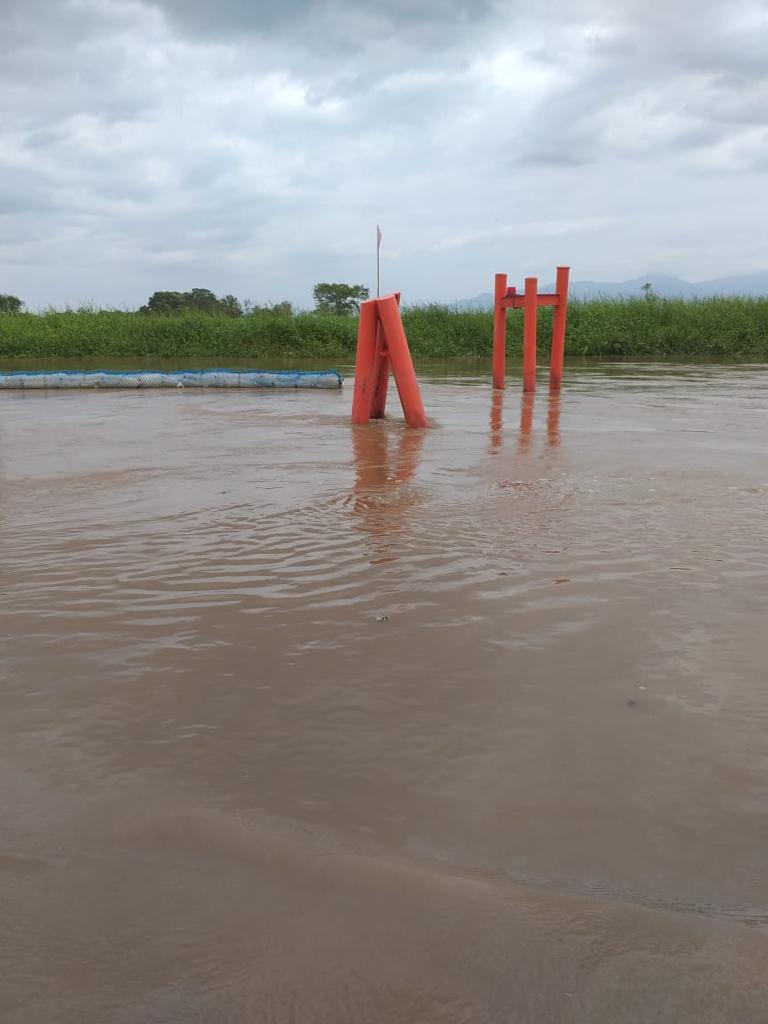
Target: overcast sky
251,147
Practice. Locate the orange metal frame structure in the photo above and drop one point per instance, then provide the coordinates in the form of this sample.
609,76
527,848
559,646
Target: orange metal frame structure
381,344
508,298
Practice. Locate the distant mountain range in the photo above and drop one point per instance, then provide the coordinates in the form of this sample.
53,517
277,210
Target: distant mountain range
663,285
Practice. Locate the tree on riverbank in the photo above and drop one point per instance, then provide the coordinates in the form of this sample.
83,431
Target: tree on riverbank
339,299
201,300
10,304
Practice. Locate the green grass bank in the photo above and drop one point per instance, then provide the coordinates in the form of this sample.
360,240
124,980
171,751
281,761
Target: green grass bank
726,328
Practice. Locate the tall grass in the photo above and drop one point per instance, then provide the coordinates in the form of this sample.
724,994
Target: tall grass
727,328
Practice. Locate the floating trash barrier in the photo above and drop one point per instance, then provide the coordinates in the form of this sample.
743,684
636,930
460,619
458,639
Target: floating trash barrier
172,379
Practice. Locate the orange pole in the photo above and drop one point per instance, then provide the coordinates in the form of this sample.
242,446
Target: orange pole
380,376
365,362
530,315
558,330
402,364
381,371
499,331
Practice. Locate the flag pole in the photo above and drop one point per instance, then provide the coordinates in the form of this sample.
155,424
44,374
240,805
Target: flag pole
378,261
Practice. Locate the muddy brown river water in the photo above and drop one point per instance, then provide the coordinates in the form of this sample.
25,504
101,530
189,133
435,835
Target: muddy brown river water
306,723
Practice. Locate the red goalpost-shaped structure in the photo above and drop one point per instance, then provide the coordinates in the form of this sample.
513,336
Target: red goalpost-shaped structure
507,298
381,344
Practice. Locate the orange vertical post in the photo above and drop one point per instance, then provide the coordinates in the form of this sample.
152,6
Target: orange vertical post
365,362
558,330
402,364
380,376
530,316
499,331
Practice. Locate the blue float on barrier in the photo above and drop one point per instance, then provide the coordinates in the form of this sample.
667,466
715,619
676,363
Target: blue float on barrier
220,378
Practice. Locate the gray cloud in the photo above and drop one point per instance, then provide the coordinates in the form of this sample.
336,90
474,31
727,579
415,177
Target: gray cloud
252,147
330,22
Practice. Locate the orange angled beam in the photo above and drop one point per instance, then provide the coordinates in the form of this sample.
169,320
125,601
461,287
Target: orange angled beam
380,375
402,364
381,343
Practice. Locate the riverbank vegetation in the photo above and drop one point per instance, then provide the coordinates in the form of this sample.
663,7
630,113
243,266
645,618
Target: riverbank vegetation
643,328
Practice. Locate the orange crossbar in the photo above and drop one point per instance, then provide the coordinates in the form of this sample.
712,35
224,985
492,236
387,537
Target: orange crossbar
542,299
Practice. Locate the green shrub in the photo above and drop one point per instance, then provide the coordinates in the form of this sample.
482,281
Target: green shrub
721,328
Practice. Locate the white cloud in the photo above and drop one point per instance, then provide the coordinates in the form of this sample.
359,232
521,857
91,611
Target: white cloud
251,148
